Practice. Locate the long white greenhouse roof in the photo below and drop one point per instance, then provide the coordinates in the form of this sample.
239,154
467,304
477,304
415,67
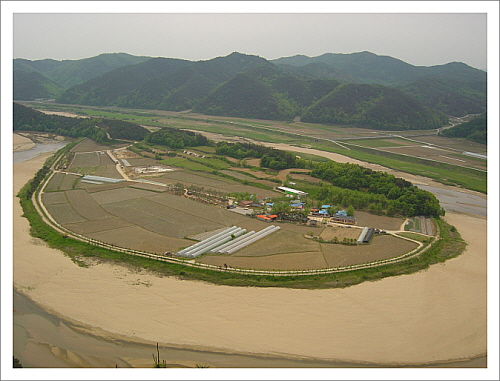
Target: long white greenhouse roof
103,179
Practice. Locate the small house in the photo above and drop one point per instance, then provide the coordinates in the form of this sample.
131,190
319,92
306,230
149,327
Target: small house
245,203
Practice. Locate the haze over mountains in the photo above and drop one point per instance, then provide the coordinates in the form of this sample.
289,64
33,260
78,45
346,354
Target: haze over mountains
362,89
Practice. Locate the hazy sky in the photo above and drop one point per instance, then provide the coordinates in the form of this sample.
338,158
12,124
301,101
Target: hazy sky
285,29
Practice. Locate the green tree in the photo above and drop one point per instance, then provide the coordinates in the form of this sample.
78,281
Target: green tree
350,210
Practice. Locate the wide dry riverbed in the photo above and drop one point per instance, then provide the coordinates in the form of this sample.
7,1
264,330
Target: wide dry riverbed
432,316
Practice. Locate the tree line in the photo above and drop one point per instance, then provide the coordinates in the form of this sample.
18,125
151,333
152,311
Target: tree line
97,129
177,139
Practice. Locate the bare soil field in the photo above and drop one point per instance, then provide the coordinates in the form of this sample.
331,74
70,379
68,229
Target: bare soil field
280,242
85,205
137,238
100,188
64,213
125,154
118,194
98,226
290,261
68,182
340,232
199,180
88,145
378,222
381,247
159,218
61,182
104,159
217,184
54,198
86,159
135,162
149,187
54,183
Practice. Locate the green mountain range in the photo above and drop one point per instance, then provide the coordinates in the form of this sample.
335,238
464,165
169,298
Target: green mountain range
394,94
68,73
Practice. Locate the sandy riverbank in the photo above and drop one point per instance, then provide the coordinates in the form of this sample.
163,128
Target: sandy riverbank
435,315
21,143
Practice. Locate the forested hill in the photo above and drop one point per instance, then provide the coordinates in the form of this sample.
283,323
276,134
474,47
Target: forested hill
31,85
475,130
28,119
373,106
164,83
454,88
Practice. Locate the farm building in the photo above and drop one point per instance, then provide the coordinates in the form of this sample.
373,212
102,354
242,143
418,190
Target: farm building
245,203
368,235
343,219
320,213
264,218
292,191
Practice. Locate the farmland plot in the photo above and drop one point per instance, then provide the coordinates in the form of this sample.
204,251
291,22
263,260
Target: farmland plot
381,247
54,198
290,261
88,145
64,213
237,175
105,160
249,189
330,232
85,205
119,194
160,219
68,182
198,210
136,162
191,178
378,222
85,159
280,242
96,226
137,238
55,181
149,187
108,171
104,187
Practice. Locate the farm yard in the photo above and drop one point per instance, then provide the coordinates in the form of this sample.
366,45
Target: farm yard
157,218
